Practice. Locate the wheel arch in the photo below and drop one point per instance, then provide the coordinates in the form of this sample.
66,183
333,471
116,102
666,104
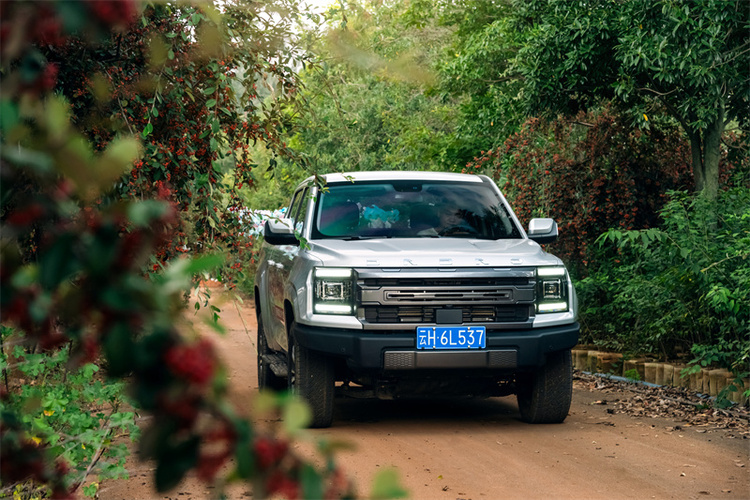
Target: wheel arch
256,299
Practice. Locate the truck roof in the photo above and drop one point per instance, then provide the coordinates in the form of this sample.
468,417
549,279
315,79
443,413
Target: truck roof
385,175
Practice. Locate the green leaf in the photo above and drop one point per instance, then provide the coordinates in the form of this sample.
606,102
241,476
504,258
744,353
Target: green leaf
147,130
174,462
205,263
119,348
387,484
57,114
8,115
243,454
312,483
57,263
23,157
211,103
116,160
297,415
330,447
142,214
91,489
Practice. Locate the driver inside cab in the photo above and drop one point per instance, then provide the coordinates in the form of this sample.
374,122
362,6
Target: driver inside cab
450,221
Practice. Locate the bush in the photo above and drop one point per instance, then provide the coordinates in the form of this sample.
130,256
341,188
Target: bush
75,412
591,174
682,287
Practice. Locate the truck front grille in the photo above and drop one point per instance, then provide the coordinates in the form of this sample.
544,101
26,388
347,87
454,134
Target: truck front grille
444,282
479,296
426,314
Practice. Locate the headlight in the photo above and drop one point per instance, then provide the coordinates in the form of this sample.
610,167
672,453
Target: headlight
552,290
333,290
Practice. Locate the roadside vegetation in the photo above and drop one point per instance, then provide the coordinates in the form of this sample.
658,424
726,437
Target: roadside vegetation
627,123
135,135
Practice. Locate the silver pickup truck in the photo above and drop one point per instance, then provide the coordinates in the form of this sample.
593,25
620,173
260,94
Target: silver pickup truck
413,284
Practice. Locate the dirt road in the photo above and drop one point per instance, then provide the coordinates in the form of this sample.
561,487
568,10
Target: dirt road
480,450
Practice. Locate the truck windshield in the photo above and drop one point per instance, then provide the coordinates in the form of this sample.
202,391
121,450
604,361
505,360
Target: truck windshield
412,209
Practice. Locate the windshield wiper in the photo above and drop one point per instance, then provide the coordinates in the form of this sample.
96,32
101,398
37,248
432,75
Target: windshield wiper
357,238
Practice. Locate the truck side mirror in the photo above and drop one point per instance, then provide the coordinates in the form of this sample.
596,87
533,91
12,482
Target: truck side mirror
280,232
542,230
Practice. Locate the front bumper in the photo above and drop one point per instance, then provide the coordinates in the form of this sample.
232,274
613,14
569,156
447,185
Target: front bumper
396,350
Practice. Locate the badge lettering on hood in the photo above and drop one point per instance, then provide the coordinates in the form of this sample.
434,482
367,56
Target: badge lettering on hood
408,262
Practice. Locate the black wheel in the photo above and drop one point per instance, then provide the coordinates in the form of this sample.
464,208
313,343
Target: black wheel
544,397
266,378
311,376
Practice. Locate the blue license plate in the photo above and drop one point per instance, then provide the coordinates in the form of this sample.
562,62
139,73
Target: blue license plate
451,337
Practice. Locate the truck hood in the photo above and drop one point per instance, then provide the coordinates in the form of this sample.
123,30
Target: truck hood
431,252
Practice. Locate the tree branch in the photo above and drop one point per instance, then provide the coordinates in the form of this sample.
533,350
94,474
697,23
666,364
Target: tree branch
732,59
660,94
506,78
94,461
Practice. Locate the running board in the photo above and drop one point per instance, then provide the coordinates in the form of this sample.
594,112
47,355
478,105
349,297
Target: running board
277,363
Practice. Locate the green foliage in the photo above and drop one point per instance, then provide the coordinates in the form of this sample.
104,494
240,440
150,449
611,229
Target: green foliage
197,103
274,180
88,265
632,374
678,58
76,412
682,286
374,104
477,69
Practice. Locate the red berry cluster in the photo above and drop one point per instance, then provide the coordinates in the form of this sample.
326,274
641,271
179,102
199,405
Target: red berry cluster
218,445
280,485
194,362
281,470
269,452
114,13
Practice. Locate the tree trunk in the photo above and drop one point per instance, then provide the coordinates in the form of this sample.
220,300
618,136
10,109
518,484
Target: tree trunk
712,155
705,146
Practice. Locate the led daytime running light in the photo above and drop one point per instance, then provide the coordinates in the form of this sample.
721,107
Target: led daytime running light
553,307
332,272
332,309
550,271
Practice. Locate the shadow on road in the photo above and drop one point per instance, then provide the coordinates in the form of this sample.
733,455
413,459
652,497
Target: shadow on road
422,412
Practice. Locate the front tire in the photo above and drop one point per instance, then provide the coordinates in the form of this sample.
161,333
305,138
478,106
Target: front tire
311,376
544,397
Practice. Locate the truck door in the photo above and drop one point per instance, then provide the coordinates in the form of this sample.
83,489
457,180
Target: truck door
280,259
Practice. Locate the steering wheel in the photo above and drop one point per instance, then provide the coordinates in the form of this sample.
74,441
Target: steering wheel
458,229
